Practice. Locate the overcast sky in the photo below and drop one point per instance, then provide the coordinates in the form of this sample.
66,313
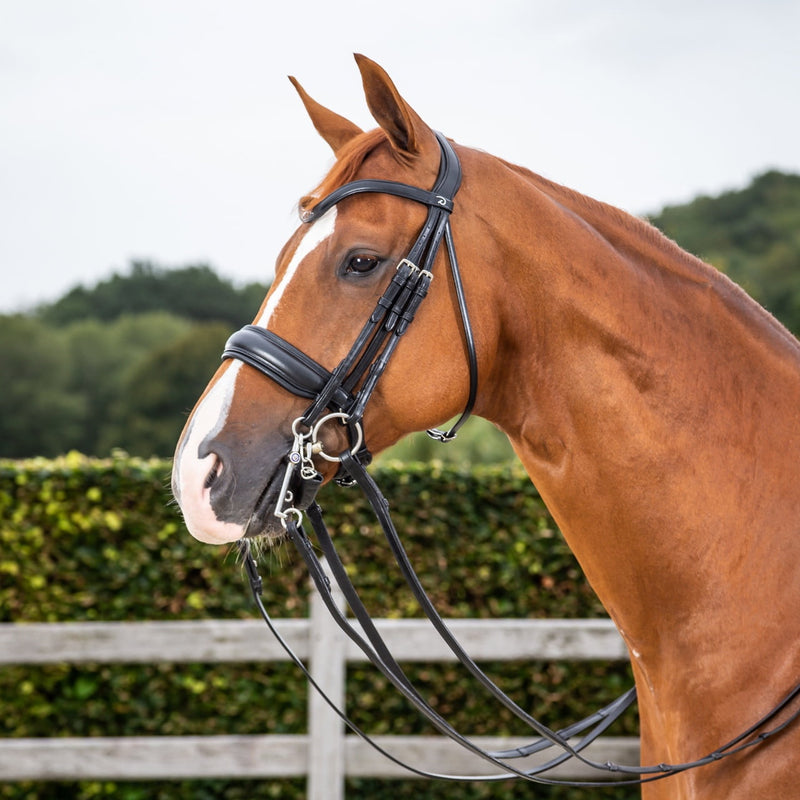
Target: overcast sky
166,130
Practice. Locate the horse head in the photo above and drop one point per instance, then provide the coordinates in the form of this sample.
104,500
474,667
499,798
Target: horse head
230,459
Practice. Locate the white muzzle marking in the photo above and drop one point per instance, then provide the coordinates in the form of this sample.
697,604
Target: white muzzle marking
190,472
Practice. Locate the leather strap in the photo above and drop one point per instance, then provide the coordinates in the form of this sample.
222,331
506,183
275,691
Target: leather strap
378,187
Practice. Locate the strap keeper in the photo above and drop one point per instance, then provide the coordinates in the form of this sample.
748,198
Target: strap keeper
441,436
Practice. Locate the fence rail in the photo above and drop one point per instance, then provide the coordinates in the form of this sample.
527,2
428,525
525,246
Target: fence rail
272,756
326,755
229,641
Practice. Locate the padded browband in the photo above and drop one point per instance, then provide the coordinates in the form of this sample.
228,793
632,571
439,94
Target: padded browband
283,363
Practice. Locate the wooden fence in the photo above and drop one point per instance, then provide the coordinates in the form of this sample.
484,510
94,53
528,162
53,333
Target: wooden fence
326,754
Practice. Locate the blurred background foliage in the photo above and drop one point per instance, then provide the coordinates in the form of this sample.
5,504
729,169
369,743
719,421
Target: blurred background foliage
120,364
87,539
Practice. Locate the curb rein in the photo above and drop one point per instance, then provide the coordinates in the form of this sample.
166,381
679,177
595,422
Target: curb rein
334,396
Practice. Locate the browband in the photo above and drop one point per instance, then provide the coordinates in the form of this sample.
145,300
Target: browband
380,187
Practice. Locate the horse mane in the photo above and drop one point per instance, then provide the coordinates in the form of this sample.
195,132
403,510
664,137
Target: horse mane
348,160
612,220
621,228
633,234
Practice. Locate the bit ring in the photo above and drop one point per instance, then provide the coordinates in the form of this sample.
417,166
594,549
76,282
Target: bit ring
336,415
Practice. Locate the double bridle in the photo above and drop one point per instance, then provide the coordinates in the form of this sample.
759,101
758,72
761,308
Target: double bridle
346,391
343,395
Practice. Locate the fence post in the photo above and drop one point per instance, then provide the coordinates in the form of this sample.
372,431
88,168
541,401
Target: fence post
327,648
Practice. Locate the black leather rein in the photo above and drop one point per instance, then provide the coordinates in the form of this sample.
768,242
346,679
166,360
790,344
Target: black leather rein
343,394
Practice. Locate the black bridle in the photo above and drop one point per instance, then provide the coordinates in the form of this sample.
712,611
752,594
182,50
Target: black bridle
343,394
346,391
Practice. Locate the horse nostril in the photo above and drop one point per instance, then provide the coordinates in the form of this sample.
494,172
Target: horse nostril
213,473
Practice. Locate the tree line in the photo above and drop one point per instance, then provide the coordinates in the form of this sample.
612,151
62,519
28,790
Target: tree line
752,235
120,364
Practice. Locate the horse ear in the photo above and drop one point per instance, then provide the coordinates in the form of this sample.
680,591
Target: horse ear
336,130
408,134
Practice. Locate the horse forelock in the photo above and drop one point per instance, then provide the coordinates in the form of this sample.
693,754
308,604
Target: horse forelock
348,161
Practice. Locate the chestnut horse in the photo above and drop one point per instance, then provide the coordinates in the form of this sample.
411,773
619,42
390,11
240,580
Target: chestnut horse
655,406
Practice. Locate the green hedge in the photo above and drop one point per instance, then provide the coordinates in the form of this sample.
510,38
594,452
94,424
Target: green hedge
90,539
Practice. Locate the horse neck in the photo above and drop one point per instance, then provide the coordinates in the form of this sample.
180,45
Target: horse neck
652,402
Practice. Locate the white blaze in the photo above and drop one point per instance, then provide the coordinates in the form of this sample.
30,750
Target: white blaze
320,230
191,471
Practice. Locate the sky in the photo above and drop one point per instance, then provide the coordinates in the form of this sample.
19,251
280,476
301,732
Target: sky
167,131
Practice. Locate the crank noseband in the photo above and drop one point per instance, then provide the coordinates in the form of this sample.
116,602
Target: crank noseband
283,363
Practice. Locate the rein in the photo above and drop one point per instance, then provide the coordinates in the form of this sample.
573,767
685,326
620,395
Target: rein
343,394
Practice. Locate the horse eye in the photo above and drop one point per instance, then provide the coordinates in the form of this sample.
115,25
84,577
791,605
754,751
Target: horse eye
361,264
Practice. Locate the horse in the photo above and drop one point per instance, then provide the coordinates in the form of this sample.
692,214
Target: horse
654,405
